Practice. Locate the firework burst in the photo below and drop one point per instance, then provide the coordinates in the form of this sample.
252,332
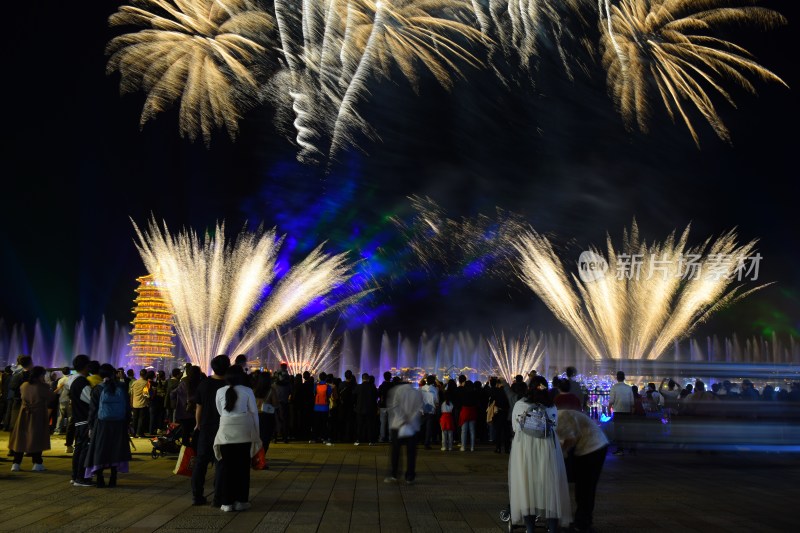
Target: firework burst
304,350
206,54
668,47
514,356
626,314
217,288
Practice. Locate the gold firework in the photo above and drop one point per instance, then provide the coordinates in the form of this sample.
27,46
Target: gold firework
405,32
304,350
669,46
207,54
515,356
619,315
216,288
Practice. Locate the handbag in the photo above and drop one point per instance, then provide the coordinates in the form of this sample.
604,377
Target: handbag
491,411
259,460
185,463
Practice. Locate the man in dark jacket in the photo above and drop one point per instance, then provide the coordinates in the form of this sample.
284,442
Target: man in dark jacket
366,402
79,397
207,424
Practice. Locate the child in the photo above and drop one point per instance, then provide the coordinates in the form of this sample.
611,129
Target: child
447,423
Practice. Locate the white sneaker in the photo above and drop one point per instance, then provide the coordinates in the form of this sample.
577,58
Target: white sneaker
228,508
356,443
390,479
241,506
15,467
463,448
329,443
443,448
38,468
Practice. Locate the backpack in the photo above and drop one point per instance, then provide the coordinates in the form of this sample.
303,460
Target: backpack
112,405
536,423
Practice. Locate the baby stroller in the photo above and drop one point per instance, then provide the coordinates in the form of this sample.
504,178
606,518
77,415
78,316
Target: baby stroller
169,443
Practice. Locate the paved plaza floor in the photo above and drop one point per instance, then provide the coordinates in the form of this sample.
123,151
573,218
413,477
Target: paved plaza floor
340,488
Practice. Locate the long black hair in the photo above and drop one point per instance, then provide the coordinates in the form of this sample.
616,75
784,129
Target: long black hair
108,373
233,376
537,392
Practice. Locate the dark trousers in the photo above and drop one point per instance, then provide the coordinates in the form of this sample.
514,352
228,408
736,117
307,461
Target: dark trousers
282,421
366,428
70,433
321,425
234,473
411,455
587,473
266,428
35,457
156,414
620,437
139,420
502,432
431,431
79,453
204,457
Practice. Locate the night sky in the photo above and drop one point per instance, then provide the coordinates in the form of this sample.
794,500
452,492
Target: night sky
78,167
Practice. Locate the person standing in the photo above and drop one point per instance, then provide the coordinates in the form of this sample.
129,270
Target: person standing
430,408
20,375
172,384
283,382
237,439
158,392
537,478
183,398
140,401
206,426
366,405
31,431
383,396
620,399
322,398
583,438
63,402
109,417
405,417
79,398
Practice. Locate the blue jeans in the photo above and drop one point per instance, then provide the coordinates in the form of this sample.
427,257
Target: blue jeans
468,428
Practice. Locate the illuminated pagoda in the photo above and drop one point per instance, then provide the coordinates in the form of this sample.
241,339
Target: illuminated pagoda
152,324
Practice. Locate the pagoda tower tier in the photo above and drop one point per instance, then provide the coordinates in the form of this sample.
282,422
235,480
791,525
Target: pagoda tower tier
152,324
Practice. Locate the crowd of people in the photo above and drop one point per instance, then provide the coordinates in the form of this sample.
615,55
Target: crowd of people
231,415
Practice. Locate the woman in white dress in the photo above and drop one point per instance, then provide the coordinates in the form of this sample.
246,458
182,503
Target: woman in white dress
237,439
537,479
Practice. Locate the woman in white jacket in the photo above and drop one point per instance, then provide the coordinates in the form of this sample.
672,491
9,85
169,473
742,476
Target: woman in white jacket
237,439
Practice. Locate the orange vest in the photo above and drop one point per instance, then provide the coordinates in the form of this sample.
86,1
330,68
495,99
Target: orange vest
321,396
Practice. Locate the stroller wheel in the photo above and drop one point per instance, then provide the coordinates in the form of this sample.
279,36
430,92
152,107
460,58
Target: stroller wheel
505,515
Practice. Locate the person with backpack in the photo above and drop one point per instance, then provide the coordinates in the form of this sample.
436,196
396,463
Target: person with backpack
537,478
109,416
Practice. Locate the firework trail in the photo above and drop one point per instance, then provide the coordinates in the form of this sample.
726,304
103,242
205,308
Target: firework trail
209,55
217,288
625,314
304,350
668,47
514,356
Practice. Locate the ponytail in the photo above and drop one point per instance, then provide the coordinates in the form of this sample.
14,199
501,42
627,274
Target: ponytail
233,376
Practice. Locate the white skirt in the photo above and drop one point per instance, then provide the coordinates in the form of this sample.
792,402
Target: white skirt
537,480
